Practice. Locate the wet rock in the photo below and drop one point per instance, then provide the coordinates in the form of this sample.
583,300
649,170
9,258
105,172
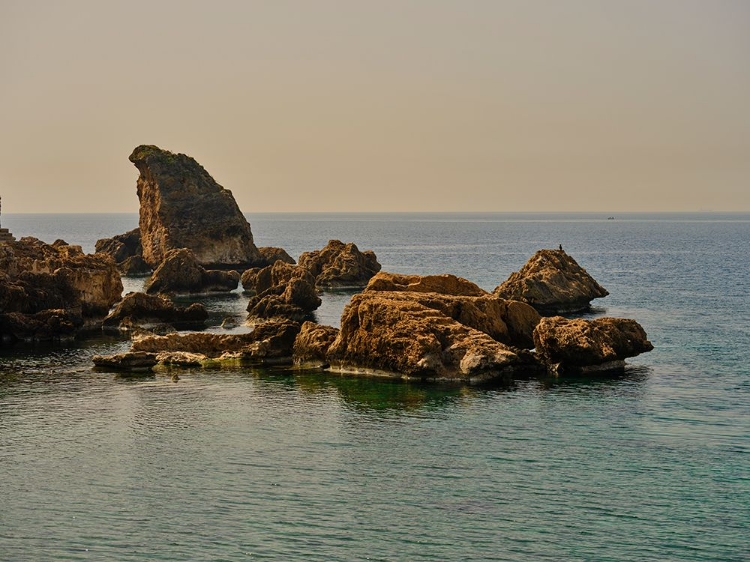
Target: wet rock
384,334
180,273
130,361
553,283
577,345
47,325
229,323
140,309
182,206
444,284
313,342
270,342
340,265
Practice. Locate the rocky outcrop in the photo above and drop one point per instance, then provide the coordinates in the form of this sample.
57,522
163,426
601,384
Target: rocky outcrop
269,343
50,291
553,283
280,290
140,309
271,255
340,265
126,250
382,333
182,206
445,284
132,361
312,344
578,345
180,273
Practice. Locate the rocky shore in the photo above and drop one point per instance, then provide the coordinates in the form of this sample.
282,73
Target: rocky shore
193,240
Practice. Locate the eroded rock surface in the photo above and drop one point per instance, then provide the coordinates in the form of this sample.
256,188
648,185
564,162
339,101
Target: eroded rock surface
271,255
180,273
567,345
388,334
313,342
280,290
340,265
182,206
53,290
126,250
140,309
552,282
445,284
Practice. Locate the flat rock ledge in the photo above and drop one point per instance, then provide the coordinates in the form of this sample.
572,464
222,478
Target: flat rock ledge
552,282
268,344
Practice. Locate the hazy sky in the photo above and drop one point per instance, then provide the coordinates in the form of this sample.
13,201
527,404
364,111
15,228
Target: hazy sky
349,105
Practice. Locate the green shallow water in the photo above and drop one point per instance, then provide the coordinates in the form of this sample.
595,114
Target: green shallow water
253,464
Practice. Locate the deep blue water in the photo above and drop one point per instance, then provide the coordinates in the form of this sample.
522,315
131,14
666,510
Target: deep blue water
246,464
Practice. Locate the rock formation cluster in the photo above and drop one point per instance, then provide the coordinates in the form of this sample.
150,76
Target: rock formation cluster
194,237
53,291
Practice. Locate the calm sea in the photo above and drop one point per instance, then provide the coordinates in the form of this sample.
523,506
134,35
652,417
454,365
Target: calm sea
253,464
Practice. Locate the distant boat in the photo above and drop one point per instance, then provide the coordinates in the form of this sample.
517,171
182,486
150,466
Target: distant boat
610,218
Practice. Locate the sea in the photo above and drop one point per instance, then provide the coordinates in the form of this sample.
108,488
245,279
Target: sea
652,464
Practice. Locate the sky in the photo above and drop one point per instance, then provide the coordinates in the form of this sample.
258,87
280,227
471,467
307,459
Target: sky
353,106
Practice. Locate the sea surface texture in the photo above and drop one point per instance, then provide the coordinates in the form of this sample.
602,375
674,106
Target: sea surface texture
257,464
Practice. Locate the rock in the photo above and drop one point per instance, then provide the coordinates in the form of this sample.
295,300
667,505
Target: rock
400,337
131,361
36,277
126,250
271,255
181,206
180,273
313,342
340,265
47,325
508,322
566,345
271,342
139,309
445,284
553,283
180,359
133,266
229,323
280,291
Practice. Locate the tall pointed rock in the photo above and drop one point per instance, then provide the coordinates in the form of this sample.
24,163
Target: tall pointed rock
182,206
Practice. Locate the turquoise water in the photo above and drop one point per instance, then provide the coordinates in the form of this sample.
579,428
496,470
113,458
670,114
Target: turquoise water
243,464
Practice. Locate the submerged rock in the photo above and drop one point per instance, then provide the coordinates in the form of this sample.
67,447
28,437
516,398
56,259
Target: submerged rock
445,284
140,309
566,345
340,265
553,283
182,206
180,273
385,333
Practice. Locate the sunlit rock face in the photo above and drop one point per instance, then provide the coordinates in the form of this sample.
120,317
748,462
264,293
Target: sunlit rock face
553,283
182,206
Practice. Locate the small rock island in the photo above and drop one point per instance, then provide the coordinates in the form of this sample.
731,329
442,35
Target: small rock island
193,239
